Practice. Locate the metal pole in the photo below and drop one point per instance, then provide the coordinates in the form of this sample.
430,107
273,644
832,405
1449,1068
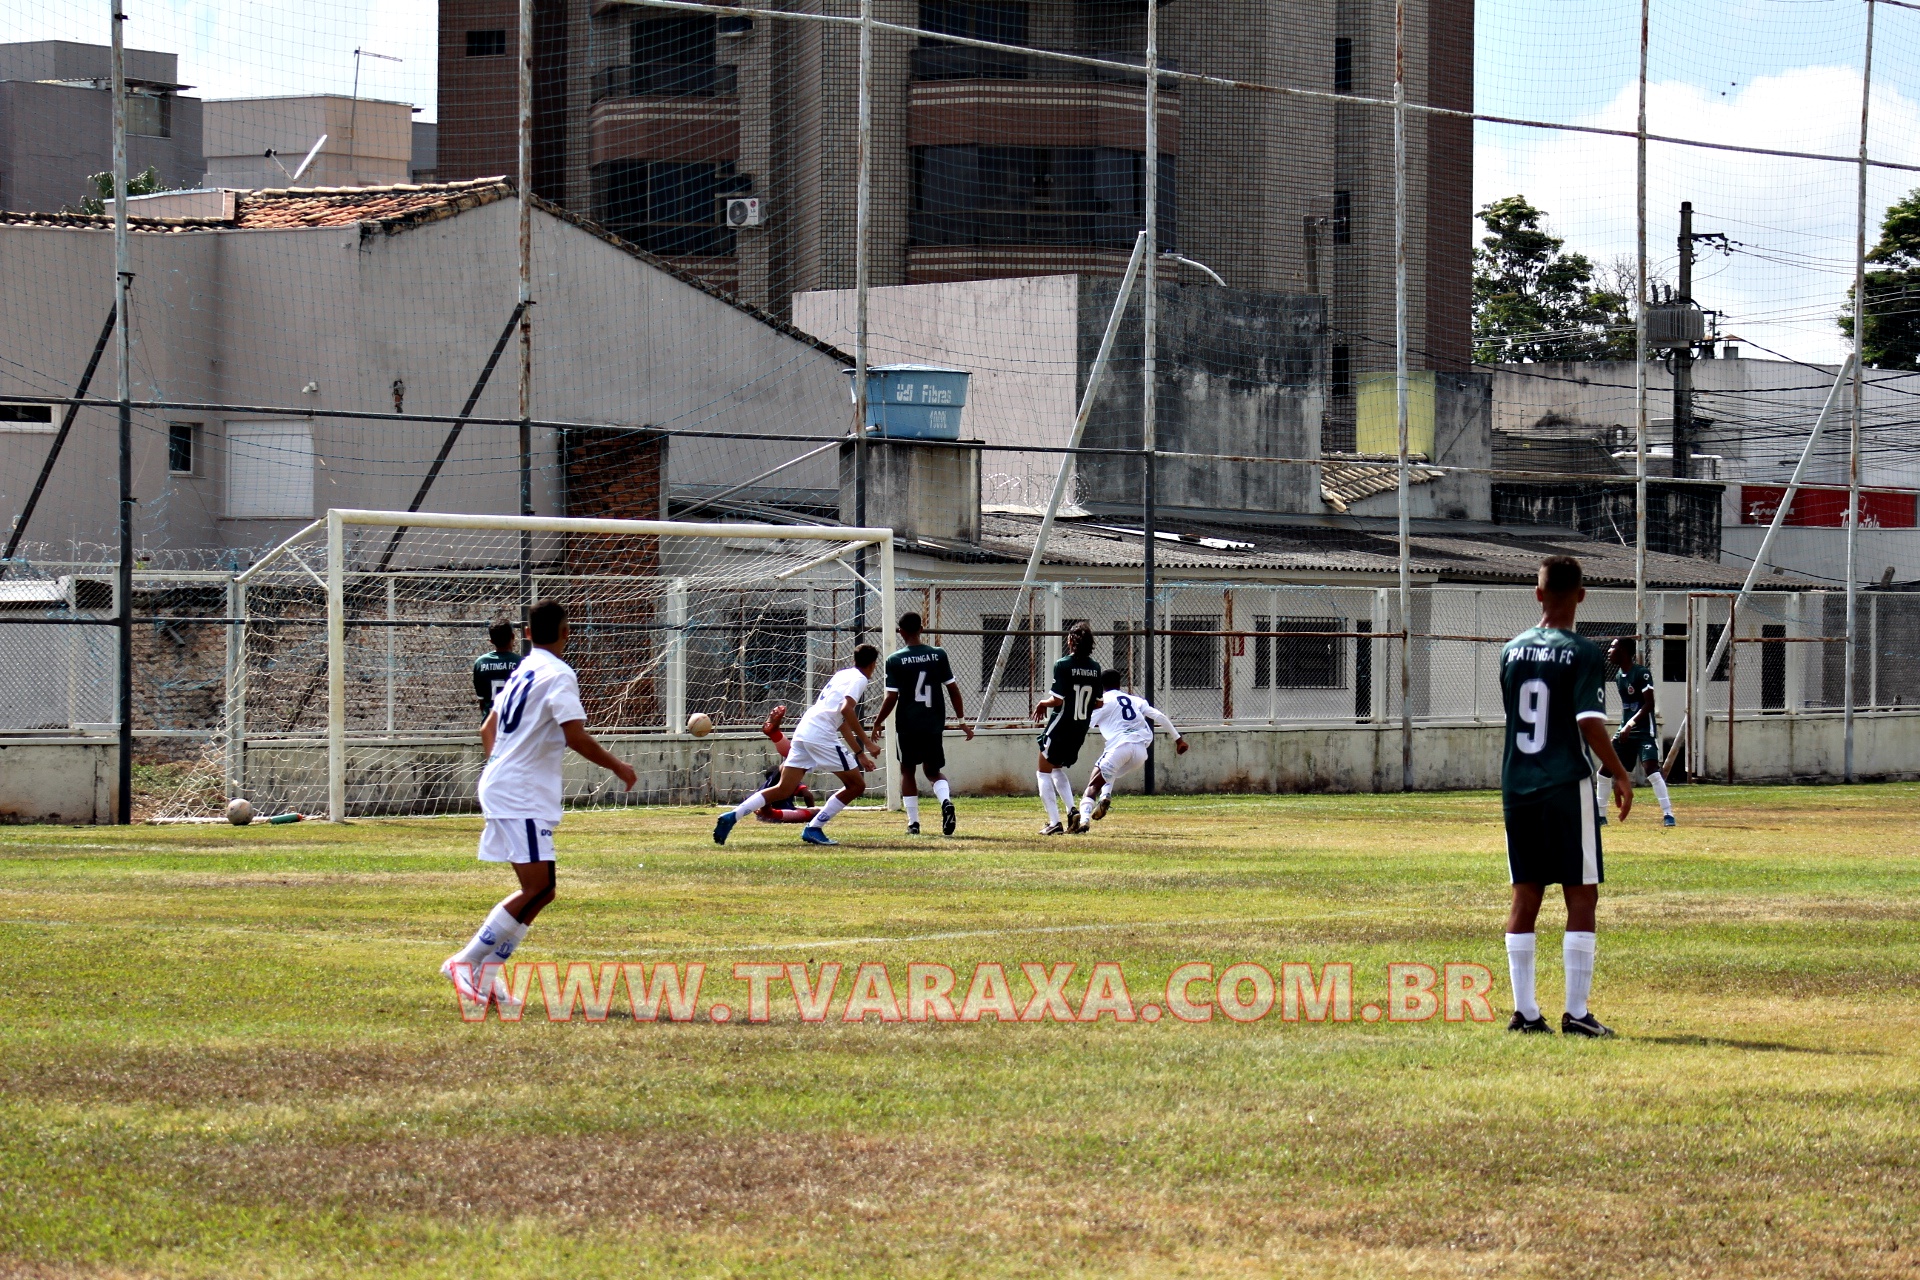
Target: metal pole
1095,376
123,359
887,611
525,184
1683,357
1400,386
237,607
1640,355
862,282
1733,657
336,670
1859,377
1150,365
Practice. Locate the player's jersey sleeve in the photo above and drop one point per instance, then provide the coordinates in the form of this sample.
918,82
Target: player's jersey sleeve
1589,684
482,681
1158,717
893,674
945,666
1102,715
563,698
1063,679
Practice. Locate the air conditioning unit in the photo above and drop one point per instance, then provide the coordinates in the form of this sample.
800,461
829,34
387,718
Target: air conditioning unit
743,212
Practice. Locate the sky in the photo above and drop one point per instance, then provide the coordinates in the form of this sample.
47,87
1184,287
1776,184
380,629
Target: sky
1772,73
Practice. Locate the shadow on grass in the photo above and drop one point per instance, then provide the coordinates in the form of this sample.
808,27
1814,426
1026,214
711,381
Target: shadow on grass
1757,1046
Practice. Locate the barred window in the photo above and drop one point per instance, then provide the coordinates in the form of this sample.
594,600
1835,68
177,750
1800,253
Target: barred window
1019,672
1302,662
1194,660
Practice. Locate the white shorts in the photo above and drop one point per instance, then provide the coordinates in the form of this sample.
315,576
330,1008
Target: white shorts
825,757
1121,758
516,840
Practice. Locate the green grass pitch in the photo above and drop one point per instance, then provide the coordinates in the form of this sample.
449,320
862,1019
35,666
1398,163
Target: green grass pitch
227,1052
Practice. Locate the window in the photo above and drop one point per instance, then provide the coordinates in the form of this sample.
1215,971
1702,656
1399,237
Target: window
1713,639
150,114
1363,672
1019,672
1673,653
487,44
1773,668
180,451
1343,217
1036,195
773,649
1343,64
1305,662
270,470
1001,21
1194,661
667,207
26,417
1112,26
1126,653
1342,373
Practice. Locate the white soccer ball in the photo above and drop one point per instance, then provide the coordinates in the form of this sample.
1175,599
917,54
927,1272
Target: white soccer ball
239,812
699,724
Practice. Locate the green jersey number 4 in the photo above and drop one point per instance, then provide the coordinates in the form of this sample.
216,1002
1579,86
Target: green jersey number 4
922,691
1532,710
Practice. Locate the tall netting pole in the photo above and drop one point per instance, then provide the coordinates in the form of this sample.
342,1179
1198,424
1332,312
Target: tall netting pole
123,359
1400,385
862,282
1859,377
524,171
1640,353
1149,362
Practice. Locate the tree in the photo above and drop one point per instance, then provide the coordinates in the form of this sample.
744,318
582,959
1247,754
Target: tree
138,184
1892,338
1533,302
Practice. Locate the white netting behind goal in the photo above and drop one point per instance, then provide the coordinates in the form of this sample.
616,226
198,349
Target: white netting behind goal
729,621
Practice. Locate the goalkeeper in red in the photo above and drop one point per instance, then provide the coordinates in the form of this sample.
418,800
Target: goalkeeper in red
1553,685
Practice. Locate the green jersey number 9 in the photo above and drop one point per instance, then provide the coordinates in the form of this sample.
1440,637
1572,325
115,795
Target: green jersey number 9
1532,710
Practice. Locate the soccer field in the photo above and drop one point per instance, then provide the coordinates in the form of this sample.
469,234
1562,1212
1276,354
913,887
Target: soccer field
228,1051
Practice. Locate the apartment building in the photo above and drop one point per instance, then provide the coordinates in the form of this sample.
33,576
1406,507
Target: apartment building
996,164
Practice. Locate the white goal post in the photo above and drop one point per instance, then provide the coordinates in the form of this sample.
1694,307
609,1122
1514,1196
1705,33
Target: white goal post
741,615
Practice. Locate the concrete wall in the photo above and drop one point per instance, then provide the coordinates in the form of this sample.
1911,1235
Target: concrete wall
67,780
256,317
368,142
1886,747
1241,373
52,136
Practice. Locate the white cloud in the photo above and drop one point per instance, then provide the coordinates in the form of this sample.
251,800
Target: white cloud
1799,214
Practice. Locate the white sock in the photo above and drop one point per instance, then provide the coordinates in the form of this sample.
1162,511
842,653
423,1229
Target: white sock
913,808
498,925
942,791
1106,792
1520,969
510,942
1086,808
752,804
1660,793
1048,799
1577,954
833,805
1063,787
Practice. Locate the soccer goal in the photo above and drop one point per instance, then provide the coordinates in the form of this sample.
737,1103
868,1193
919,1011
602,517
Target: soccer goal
351,680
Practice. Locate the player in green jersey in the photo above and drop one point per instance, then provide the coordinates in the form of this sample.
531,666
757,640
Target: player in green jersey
919,682
1076,690
1639,736
491,671
1553,685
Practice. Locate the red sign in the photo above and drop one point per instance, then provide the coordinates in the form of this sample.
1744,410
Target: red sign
1826,508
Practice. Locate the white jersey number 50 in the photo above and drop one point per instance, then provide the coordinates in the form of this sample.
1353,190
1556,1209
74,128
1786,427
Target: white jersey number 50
1533,713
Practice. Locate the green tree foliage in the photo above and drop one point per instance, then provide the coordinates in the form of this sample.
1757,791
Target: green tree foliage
1533,302
138,184
1892,338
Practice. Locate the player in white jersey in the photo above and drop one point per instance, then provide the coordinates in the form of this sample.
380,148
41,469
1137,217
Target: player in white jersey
536,716
829,737
1127,723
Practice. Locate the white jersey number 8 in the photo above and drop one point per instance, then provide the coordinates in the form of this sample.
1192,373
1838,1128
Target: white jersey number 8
1532,710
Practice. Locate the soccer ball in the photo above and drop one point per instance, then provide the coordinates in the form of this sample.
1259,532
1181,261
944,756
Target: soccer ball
239,812
699,724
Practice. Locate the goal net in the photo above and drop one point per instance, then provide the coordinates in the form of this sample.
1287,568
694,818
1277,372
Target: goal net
352,689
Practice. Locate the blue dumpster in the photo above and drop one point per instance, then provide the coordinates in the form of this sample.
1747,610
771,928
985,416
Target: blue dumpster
914,401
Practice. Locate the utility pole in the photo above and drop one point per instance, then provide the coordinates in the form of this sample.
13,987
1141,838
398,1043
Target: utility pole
1683,357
